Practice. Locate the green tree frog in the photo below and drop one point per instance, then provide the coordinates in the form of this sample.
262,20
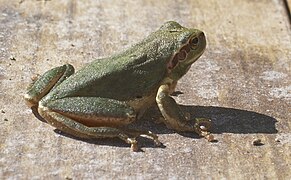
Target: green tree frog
102,98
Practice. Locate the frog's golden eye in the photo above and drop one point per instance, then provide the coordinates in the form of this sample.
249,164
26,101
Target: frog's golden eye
194,42
182,55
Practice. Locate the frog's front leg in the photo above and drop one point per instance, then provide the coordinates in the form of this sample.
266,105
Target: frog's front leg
174,116
46,83
93,117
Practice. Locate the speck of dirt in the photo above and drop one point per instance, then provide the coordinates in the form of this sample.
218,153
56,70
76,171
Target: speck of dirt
5,119
12,58
257,142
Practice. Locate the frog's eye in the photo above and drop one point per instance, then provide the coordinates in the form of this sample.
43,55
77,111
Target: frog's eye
182,55
194,42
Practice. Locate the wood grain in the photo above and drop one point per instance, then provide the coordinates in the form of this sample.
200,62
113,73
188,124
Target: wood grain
242,83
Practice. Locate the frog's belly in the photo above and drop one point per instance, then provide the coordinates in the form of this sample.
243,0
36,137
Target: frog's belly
102,121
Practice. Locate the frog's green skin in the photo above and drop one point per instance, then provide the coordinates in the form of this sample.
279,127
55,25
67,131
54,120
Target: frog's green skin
103,97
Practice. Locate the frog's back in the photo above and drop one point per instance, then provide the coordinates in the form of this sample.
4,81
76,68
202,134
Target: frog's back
122,77
124,80
137,72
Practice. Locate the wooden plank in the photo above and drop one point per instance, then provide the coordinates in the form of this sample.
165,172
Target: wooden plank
242,83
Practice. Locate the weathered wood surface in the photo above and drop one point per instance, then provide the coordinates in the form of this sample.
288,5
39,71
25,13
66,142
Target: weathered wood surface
242,83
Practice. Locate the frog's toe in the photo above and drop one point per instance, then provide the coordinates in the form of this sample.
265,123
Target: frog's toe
132,141
152,136
202,127
133,144
136,133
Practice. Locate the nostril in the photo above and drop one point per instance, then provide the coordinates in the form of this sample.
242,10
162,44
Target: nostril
201,35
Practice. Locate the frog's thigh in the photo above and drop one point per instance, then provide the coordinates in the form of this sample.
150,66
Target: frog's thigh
93,111
46,82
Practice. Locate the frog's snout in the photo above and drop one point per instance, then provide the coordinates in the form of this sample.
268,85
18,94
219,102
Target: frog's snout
201,35
202,39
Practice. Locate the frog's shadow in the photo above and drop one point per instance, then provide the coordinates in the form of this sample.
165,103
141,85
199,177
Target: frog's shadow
224,120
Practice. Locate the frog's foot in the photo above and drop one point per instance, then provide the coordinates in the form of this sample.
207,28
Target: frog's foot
147,134
202,127
125,135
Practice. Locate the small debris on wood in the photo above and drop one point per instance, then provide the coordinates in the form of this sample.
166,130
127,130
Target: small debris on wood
12,58
35,77
257,142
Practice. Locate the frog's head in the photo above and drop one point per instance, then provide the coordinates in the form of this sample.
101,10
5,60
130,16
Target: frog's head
188,47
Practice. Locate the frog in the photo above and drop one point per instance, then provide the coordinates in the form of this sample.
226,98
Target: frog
104,97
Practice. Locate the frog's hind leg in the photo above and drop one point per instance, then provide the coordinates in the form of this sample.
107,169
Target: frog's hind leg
93,117
46,83
77,129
